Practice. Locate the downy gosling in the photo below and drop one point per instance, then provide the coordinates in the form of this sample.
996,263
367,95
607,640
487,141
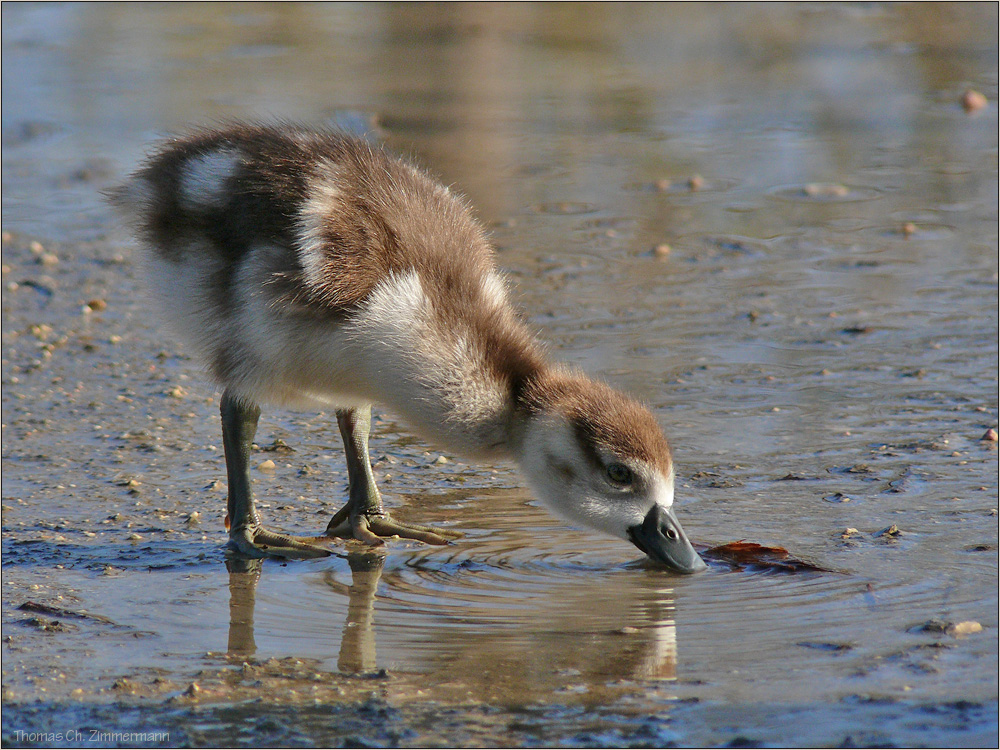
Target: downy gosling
311,269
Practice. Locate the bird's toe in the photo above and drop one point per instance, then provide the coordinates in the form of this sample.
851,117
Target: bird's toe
259,542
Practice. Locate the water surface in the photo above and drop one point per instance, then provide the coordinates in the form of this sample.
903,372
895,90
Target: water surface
776,225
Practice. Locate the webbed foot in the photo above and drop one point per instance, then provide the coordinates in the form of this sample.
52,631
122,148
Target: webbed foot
364,518
372,527
256,541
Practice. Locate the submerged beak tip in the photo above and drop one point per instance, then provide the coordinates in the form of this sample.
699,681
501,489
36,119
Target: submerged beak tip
672,550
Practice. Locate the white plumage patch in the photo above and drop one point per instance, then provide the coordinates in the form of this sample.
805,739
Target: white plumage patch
204,178
665,491
323,197
188,301
495,290
397,306
434,375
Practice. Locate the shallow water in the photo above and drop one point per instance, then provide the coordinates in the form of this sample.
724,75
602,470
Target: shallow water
817,333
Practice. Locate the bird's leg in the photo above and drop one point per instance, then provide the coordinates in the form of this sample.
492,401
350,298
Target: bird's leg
246,535
364,518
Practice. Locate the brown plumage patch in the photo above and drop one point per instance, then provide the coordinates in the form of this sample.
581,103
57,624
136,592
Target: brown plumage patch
335,204
367,215
259,205
340,215
603,417
263,193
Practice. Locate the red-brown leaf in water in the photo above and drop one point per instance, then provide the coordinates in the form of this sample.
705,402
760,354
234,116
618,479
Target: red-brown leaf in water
750,553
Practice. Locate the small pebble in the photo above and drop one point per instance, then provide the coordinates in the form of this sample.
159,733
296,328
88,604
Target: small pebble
662,250
40,331
973,101
989,436
848,532
36,248
820,190
177,392
662,185
266,465
964,628
97,305
193,518
890,531
908,229
695,183
441,460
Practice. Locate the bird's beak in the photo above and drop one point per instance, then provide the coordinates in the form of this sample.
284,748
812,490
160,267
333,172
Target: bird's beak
661,537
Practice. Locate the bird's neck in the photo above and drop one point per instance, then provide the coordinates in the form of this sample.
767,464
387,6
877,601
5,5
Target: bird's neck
451,360
469,412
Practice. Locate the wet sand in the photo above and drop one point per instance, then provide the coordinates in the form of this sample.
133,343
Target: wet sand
778,228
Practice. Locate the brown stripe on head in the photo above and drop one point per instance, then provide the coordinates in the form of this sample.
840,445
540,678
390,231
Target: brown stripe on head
603,417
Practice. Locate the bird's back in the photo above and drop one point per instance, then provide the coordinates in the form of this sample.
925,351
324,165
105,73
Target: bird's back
347,213
260,237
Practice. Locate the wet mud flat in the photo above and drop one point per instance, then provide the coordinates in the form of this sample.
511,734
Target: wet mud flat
374,722
121,614
787,247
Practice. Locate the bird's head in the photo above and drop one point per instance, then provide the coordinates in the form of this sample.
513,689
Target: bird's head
599,459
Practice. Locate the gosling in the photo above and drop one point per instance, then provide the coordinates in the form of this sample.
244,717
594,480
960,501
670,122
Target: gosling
310,269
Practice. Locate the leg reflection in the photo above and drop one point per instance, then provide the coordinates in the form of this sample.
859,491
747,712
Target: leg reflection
357,647
659,661
243,577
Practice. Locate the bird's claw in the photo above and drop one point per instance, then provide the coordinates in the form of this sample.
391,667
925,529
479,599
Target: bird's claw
373,528
256,541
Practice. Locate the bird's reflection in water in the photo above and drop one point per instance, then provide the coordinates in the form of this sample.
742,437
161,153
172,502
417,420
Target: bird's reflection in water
576,639
243,577
357,647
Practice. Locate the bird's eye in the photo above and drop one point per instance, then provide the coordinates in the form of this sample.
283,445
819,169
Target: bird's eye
620,474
